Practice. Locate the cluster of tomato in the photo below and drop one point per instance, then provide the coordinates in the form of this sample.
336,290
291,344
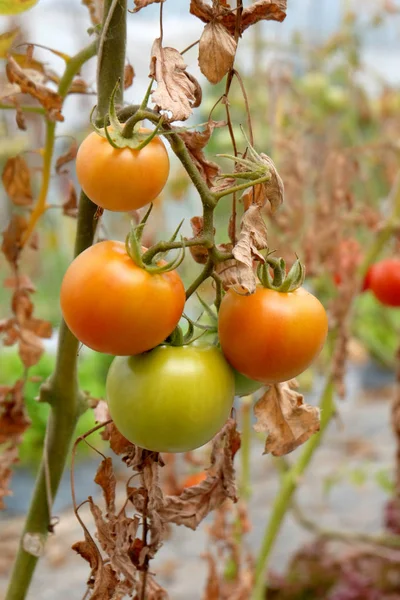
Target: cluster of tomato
166,397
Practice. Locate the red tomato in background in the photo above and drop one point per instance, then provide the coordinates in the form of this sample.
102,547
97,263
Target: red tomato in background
384,281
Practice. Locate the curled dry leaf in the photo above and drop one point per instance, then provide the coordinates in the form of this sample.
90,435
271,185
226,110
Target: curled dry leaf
13,417
195,142
24,328
199,253
221,11
70,206
196,502
11,245
8,457
177,92
282,414
217,51
67,157
239,271
17,181
105,478
139,4
129,75
272,191
34,86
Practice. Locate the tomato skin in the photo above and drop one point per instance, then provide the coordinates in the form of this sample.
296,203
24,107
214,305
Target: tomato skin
171,399
243,385
113,306
384,281
121,179
271,336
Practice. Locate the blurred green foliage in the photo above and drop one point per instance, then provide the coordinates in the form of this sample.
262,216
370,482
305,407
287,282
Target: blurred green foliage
93,369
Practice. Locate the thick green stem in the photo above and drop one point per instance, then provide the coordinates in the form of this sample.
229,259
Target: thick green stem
245,447
62,391
290,481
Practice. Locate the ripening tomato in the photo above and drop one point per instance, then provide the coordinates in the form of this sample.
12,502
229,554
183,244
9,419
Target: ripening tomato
194,479
171,399
271,336
383,279
113,306
121,179
243,385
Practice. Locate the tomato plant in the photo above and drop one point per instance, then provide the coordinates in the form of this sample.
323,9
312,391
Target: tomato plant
121,179
113,306
271,336
383,279
171,399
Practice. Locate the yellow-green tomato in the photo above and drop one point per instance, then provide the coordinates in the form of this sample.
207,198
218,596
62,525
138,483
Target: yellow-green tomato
244,386
172,398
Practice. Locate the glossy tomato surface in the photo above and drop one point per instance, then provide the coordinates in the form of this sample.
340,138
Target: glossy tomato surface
243,385
384,281
121,179
271,336
171,399
113,306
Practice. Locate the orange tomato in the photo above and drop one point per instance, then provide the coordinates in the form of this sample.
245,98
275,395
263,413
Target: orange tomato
271,336
121,179
113,306
194,479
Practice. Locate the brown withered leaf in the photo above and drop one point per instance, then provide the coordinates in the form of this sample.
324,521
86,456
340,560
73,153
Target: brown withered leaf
49,99
199,253
11,246
8,457
270,10
17,181
194,504
67,157
30,348
282,414
95,10
13,418
105,478
118,443
139,4
239,271
101,412
129,75
70,206
177,92
22,282
195,142
217,51
19,116
272,191
102,580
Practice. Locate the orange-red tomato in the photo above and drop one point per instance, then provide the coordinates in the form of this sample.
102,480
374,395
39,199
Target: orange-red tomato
194,479
121,179
271,336
383,279
113,306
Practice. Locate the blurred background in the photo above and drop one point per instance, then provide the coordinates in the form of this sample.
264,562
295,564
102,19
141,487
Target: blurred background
324,92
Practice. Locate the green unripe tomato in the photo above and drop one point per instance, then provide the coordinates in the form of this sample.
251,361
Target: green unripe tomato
172,398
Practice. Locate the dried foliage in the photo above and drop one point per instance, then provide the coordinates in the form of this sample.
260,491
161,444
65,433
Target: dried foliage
17,181
177,92
220,11
217,51
195,142
128,554
32,83
282,414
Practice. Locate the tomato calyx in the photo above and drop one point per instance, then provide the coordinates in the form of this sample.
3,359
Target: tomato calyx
126,135
281,281
154,265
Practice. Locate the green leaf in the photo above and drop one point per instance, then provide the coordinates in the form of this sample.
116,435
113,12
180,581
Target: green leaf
383,479
14,7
